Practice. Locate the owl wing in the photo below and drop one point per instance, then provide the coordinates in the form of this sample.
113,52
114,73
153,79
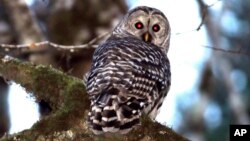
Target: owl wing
137,70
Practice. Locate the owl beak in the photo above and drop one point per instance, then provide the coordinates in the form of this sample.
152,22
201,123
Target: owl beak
147,37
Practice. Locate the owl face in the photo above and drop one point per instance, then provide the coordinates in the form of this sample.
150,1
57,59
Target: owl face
147,24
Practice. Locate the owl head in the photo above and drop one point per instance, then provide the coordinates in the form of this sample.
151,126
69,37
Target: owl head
147,24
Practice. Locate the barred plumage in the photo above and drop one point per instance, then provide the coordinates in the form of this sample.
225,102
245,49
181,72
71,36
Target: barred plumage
128,76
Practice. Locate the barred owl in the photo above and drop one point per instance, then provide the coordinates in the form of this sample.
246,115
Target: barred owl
130,74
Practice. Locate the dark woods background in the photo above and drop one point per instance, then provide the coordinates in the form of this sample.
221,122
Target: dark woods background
224,83
64,22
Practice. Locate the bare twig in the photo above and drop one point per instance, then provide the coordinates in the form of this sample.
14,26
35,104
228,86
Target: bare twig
204,14
227,51
100,37
203,18
33,47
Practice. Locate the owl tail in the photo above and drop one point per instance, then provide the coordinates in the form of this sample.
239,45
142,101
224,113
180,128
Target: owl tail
110,113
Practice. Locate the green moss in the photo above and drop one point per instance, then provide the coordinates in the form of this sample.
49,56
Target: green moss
70,95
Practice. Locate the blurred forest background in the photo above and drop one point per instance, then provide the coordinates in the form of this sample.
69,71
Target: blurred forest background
209,55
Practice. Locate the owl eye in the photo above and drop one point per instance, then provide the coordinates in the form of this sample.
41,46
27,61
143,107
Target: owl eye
156,28
138,25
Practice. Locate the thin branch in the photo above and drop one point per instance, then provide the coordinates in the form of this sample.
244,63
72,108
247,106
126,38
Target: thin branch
45,45
227,51
100,37
203,19
204,14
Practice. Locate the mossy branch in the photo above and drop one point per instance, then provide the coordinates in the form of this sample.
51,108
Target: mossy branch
69,101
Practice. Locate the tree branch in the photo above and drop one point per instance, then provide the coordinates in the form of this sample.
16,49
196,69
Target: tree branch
69,101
